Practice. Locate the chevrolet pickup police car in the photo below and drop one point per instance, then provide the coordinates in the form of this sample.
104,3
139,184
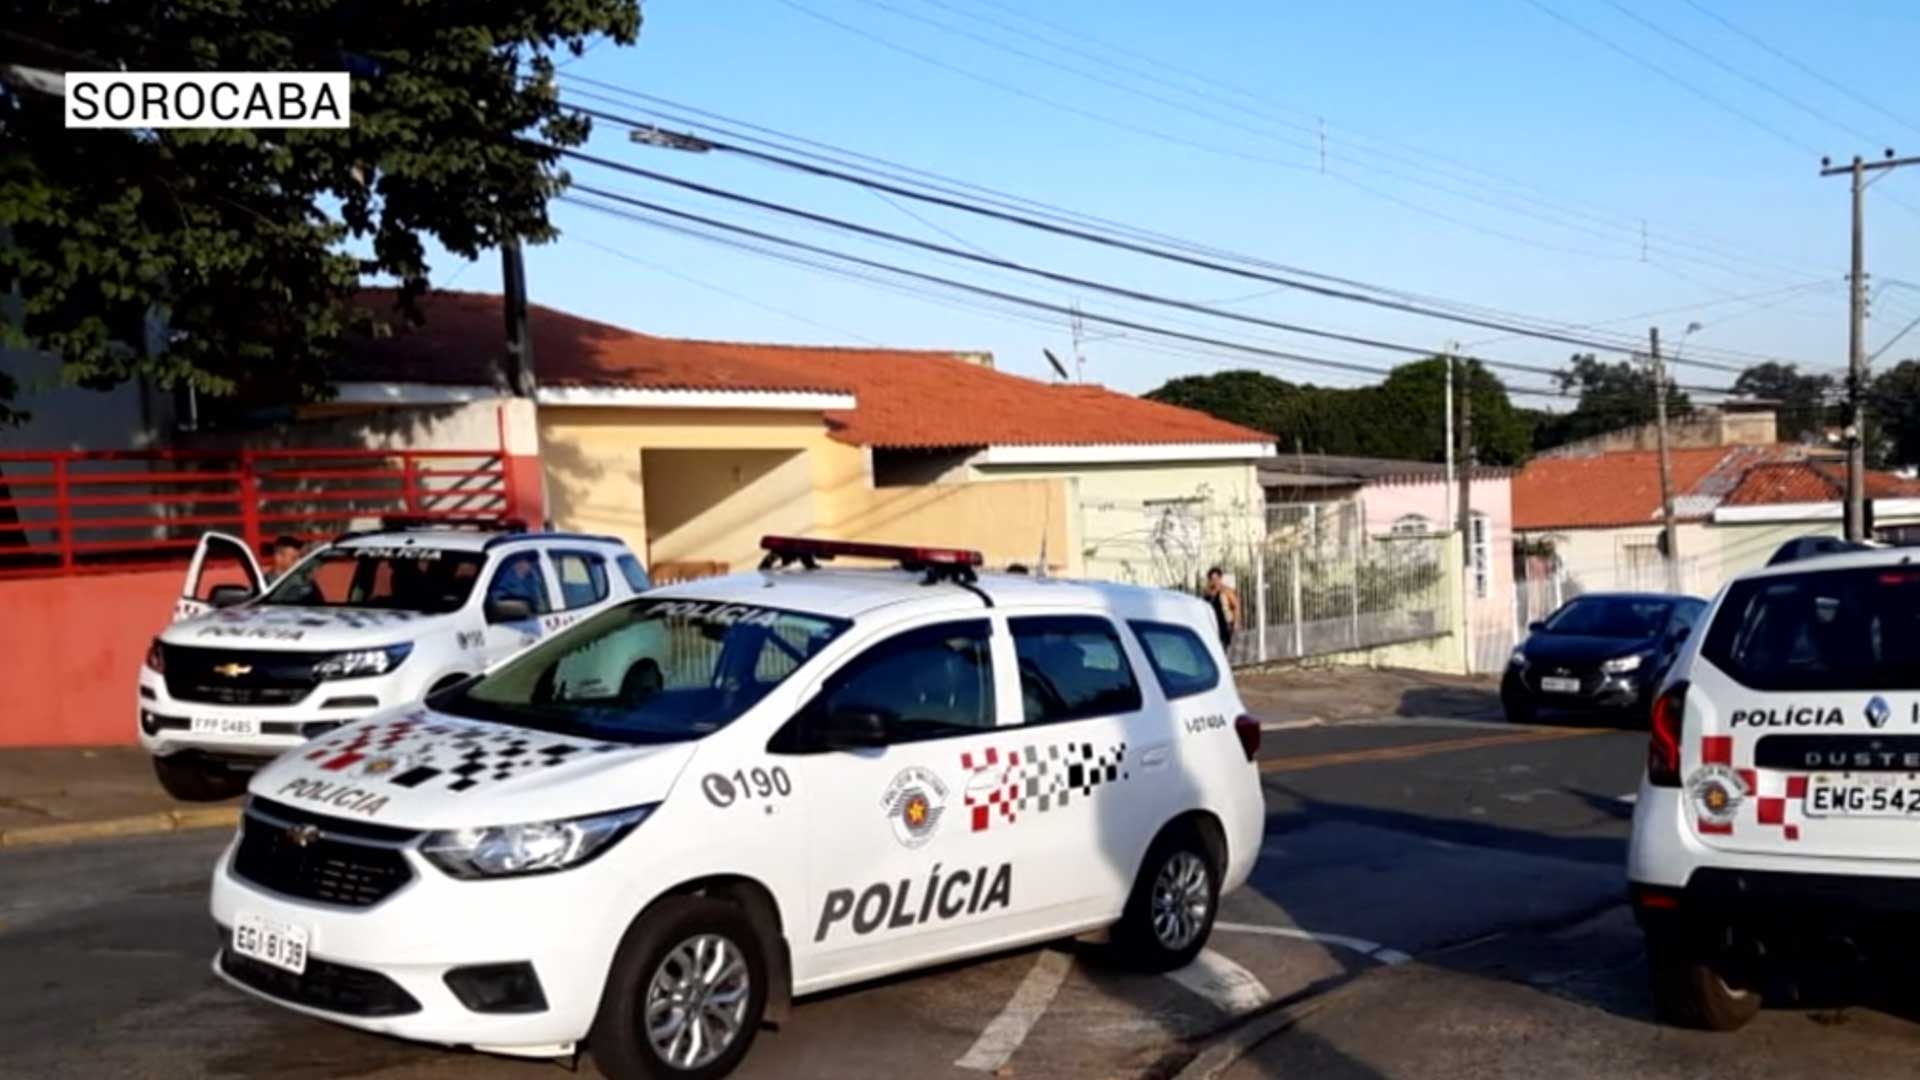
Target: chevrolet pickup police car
650,832
370,621
1774,832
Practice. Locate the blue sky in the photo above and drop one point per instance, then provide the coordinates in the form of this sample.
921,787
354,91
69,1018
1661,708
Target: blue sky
1487,153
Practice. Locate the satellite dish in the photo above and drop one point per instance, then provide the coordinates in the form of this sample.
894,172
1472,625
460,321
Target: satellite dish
1058,368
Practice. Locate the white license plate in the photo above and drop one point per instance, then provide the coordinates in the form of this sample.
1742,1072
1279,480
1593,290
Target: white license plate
227,725
282,945
1553,684
1866,795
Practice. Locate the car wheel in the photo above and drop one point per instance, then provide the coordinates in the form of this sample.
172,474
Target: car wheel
1693,992
1171,910
190,778
685,996
1518,707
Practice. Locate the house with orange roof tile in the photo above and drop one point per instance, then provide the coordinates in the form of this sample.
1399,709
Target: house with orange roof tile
691,450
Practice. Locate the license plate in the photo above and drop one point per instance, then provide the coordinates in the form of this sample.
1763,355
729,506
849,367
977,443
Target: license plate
1890,795
1553,684
280,944
227,725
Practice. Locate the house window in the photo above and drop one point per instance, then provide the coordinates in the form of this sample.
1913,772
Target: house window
1412,525
1481,544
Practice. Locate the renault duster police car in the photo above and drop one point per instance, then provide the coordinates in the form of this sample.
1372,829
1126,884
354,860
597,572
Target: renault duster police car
1775,830
367,622
650,831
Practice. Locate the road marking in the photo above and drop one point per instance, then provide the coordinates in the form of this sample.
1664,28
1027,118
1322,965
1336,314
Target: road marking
1416,750
1372,949
1629,798
1292,725
1232,988
1008,1030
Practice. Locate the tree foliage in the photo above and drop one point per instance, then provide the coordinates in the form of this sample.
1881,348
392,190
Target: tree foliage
235,240
1893,406
1608,397
1403,417
1805,399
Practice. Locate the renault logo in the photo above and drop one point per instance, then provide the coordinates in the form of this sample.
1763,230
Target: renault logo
1879,712
233,670
302,835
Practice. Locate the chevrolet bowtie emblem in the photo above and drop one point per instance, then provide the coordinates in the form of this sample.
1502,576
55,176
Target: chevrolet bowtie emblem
302,835
234,670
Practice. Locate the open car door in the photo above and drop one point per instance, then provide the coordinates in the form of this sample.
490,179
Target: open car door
223,573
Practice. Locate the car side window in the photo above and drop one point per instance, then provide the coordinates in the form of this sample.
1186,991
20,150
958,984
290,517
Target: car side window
519,578
1072,667
635,574
1179,658
583,578
930,683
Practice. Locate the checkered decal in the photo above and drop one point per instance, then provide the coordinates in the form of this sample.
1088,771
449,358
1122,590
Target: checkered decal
414,750
1036,779
1775,796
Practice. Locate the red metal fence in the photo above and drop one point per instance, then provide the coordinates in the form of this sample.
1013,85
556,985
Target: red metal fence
90,511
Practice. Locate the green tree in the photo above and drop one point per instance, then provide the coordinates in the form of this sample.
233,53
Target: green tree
1804,398
1611,397
236,238
1893,410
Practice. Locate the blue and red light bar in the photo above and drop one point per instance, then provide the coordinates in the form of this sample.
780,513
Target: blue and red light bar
797,547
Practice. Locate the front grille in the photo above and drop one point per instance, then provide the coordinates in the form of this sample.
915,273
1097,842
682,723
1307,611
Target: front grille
240,676
347,863
336,988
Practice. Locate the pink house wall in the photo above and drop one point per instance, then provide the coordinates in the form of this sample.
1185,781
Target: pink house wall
1490,618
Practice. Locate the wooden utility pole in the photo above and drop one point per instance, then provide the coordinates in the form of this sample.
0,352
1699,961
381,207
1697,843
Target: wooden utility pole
516,365
1669,541
1856,337
1465,458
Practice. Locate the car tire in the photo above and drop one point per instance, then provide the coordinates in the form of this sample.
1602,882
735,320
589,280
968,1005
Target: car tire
1170,912
189,778
656,967
1692,992
1518,707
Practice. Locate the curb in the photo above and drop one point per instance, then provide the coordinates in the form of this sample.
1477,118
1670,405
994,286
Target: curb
160,821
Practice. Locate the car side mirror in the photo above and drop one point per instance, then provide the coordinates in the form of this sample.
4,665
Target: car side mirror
226,596
852,729
1536,627
508,609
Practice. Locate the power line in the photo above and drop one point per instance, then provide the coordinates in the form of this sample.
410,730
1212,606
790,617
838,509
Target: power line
970,192
1804,69
1080,234
1114,290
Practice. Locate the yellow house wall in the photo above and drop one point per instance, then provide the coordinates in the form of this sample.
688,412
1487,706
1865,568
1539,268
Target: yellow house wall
715,505
1114,519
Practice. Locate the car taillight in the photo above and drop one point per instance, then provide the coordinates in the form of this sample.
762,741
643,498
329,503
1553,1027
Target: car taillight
1663,737
1248,728
156,658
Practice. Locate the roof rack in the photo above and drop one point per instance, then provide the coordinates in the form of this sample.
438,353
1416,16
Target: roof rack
958,565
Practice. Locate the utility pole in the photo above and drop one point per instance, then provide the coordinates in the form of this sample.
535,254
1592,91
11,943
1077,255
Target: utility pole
1448,437
516,367
1466,461
1856,337
1669,542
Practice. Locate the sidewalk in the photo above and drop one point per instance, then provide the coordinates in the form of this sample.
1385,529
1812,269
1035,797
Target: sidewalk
1294,697
63,794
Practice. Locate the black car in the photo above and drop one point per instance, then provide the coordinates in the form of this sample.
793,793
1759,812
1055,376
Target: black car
1599,652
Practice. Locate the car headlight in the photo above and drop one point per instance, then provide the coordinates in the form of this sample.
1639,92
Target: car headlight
1518,658
348,665
1620,665
537,847
156,658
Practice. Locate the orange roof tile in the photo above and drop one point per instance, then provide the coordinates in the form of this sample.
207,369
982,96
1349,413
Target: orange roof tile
1623,488
903,398
1811,482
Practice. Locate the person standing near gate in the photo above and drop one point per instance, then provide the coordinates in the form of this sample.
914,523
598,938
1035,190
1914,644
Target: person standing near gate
1225,604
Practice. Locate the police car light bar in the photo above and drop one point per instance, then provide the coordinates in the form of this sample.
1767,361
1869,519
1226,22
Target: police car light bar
791,548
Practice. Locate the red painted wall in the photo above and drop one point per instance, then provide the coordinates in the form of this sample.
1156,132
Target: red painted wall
70,654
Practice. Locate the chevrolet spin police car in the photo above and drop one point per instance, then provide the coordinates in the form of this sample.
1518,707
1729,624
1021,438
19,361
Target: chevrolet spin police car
1774,833
370,621
651,831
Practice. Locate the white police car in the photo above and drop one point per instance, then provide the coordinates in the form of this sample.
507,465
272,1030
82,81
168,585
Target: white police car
651,831
1774,833
370,621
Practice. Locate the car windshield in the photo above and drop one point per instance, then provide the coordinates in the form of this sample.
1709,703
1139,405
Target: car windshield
426,580
1828,630
648,671
1612,617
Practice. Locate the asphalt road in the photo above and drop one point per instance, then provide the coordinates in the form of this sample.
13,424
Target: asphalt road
1444,896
